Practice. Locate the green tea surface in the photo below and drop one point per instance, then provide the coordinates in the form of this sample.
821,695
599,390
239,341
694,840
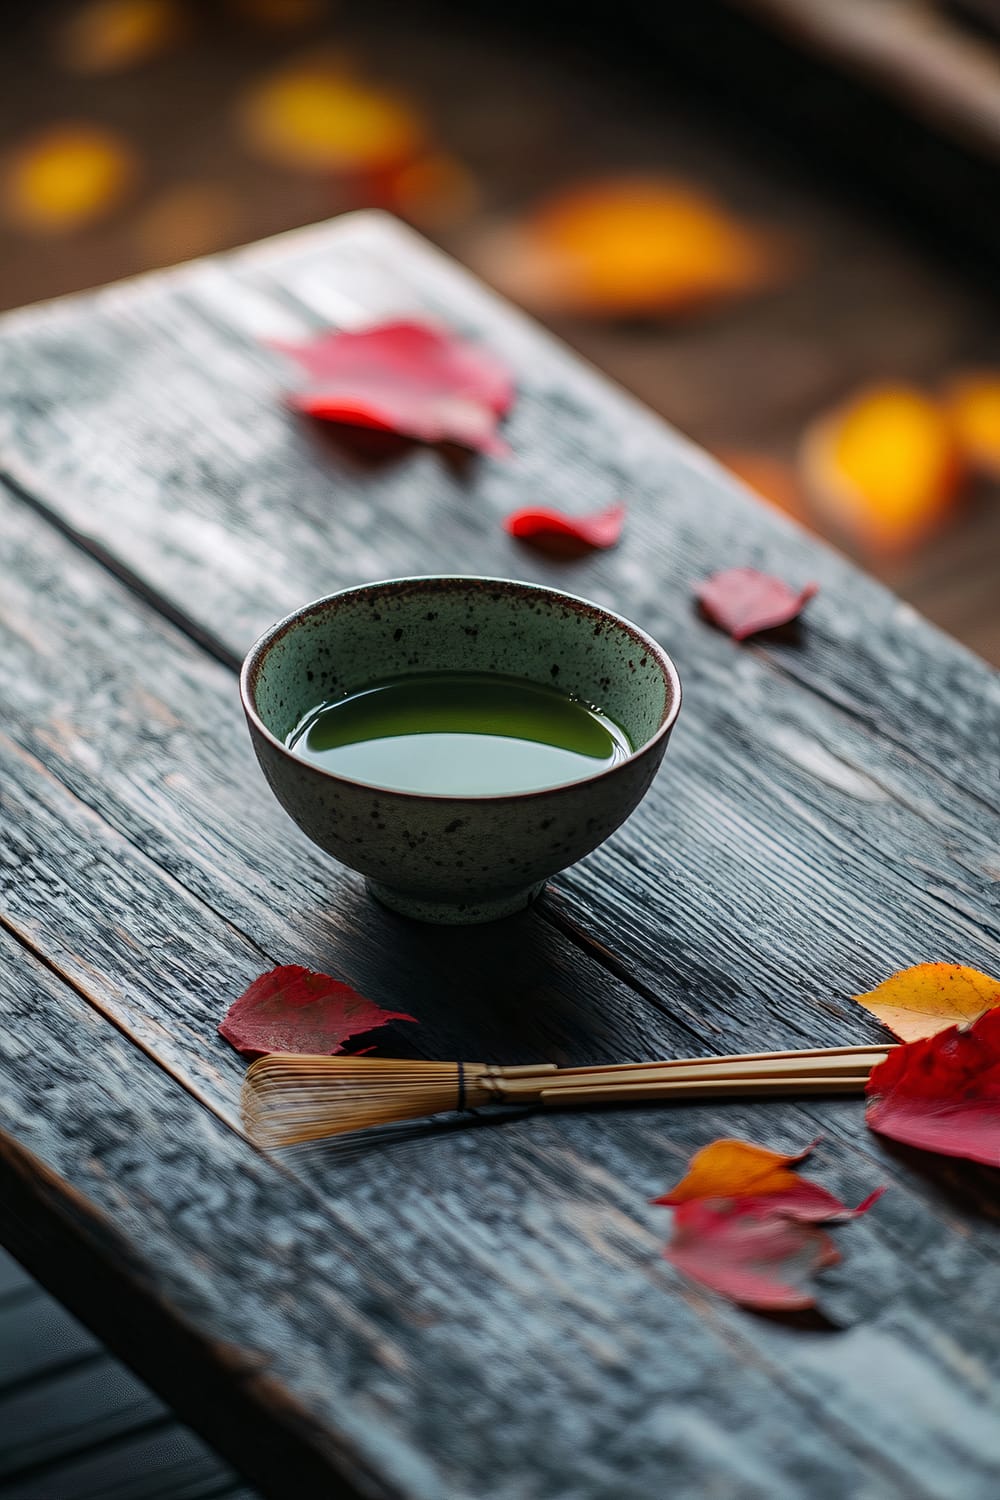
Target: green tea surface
459,734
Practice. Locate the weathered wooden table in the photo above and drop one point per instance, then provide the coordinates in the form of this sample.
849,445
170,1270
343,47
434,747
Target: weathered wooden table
480,1311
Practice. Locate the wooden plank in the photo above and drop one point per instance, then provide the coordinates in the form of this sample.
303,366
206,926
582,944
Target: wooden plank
70,1412
39,1339
168,1465
172,829
170,840
353,1301
197,458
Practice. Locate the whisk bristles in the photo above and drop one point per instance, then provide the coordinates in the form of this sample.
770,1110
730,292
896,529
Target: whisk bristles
288,1098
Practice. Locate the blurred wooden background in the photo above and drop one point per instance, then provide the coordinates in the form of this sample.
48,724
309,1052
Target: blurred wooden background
791,114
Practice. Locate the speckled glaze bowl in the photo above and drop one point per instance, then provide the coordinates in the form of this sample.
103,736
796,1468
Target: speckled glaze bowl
457,859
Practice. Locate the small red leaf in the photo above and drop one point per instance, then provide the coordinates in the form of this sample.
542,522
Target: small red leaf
541,524
293,1009
742,1249
743,601
942,1093
409,378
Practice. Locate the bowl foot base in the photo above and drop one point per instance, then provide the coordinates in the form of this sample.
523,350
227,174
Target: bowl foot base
454,913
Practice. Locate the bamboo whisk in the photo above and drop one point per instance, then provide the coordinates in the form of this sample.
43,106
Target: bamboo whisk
289,1098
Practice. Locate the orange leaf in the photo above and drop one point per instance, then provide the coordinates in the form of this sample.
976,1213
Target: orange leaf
631,247
64,178
108,36
315,117
734,1169
884,468
974,406
921,1001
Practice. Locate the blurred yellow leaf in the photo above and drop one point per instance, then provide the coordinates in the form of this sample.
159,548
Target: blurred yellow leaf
316,118
631,246
926,999
108,36
974,405
191,219
65,178
884,467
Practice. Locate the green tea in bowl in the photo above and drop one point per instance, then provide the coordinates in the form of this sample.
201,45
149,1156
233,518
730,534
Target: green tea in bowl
460,734
458,740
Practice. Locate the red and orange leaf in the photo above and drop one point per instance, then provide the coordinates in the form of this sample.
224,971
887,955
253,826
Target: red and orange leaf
543,526
727,1169
928,998
744,602
316,117
742,1249
631,246
884,469
409,378
108,36
942,1093
973,402
65,178
293,1009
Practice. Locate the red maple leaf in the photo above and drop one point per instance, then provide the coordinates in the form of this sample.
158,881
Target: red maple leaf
743,601
942,1093
542,525
411,378
293,1009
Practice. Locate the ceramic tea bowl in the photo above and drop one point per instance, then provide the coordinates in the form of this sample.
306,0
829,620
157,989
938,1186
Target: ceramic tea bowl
457,858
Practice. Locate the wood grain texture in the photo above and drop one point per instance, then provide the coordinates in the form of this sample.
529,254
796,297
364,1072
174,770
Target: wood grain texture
827,811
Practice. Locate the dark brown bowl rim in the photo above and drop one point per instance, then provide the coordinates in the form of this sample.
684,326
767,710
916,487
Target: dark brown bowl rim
431,582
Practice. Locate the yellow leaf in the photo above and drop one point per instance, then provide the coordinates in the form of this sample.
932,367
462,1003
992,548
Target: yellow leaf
631,246
974,406
316,118
884,468
924,1000
65,178
108,36
734,1169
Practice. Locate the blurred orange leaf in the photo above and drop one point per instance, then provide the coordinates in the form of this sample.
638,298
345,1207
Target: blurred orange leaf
65,177
631,246
108,36
928,998
884,468
315,117
772,480
973,402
